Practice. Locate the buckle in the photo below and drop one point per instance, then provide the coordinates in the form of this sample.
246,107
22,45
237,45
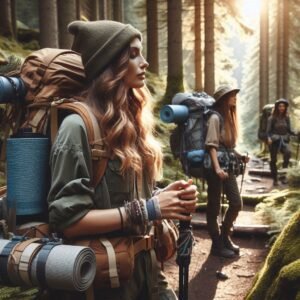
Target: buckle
149,242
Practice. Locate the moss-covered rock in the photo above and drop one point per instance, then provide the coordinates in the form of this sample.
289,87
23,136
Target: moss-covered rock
280,276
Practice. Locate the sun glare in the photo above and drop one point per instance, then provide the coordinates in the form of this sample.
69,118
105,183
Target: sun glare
250,10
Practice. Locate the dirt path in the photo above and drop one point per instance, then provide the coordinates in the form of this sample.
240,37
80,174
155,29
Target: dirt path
203,281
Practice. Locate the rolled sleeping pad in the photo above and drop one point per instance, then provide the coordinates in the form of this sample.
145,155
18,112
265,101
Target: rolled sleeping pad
3,243
174,113
196,156
65,267
7,274
12,89
28,174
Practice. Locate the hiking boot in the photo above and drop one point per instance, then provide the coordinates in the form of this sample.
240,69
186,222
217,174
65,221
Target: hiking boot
218,249
229,244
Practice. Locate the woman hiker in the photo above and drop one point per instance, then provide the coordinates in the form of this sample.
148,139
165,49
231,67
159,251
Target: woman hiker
221,141
278,132
124,203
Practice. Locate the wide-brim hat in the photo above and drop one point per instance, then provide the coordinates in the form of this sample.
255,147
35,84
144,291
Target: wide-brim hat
223,90
282,100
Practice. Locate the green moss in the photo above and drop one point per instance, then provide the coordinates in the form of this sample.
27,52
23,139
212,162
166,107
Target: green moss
11,293
2,180
10,47
174,85
280,267
277,208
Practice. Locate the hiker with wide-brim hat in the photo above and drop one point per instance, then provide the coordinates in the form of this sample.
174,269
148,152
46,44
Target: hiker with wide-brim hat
278,132
123,204
223,91
221,178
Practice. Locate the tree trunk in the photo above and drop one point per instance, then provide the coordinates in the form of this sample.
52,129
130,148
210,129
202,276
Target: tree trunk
103,9
78,9
118,10
282,49
152,36
13,17
209,48
48,24
6,28
94,10
66,14
264,56
175,66
198,52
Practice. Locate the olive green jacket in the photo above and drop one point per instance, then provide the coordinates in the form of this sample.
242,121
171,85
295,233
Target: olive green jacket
71,195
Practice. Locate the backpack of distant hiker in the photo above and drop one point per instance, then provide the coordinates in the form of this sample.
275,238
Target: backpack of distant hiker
190,112
263,122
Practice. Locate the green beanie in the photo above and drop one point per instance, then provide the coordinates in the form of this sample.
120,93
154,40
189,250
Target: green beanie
99,42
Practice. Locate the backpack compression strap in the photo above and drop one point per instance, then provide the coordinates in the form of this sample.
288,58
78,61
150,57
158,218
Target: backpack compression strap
99,155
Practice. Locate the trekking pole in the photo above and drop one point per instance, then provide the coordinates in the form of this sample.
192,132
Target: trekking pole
243,175
183,259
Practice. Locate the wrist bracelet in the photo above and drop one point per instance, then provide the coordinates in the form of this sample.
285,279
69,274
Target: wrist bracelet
157,208
153,209
121,216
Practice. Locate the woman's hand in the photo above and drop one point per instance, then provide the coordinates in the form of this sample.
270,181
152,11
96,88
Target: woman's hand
269,141
221,174
178,200
178,185
245,159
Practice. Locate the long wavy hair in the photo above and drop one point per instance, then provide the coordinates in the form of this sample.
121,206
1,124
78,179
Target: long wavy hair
229,115
126,120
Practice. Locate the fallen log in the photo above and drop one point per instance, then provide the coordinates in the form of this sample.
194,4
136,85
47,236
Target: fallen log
260,172
256,229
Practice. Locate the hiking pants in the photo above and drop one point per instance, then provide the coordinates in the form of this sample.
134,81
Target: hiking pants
274,148
214,197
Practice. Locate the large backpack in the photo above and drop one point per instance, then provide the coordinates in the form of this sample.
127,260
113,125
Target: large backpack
263,122
190,112
46,88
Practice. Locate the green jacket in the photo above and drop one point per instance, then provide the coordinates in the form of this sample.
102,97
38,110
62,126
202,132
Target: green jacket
71,196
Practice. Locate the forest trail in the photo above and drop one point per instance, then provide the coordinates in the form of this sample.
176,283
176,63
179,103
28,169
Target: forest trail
204,283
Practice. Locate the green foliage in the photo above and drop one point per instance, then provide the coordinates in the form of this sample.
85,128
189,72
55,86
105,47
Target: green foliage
277,209
11,293
279,278
13,63
2,180
10,47
293,176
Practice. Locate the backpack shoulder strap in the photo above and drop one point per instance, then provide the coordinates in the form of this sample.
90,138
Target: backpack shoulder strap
98,152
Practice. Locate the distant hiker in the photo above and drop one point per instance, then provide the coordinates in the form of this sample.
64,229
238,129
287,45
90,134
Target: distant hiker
123,204
220,141
263,124
279,131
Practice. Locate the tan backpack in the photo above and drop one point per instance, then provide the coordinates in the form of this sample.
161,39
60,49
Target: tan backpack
54,80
